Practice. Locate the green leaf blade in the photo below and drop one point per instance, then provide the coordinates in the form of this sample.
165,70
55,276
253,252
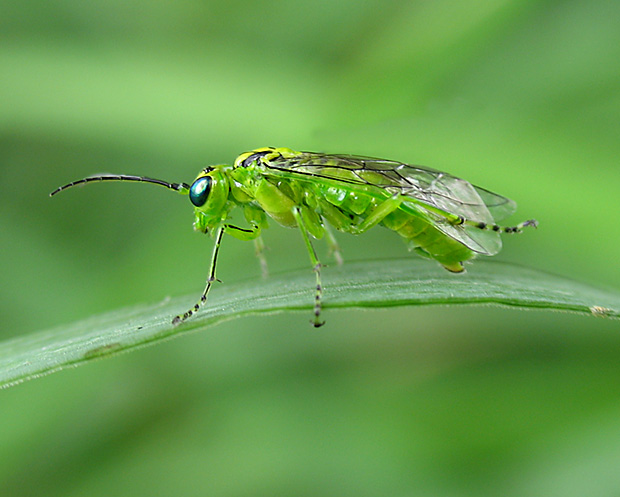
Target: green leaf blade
401,282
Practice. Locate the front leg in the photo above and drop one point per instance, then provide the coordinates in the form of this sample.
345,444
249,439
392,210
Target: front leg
203,298
241,234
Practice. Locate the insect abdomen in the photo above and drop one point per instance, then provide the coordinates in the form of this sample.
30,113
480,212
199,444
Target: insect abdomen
422,235
348,210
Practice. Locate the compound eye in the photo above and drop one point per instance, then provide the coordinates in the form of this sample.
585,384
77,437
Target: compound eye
199,191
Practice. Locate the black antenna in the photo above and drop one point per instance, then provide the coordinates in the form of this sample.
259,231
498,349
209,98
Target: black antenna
179,187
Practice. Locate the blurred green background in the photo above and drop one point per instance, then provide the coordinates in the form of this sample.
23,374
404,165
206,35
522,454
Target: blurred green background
521,97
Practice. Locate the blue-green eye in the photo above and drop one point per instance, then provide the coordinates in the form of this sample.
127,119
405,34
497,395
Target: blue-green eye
199,191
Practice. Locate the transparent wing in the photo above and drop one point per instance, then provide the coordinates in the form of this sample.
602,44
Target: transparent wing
485,242
499,207
425,187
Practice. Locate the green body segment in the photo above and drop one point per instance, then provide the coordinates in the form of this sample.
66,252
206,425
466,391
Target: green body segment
429,241
438,215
